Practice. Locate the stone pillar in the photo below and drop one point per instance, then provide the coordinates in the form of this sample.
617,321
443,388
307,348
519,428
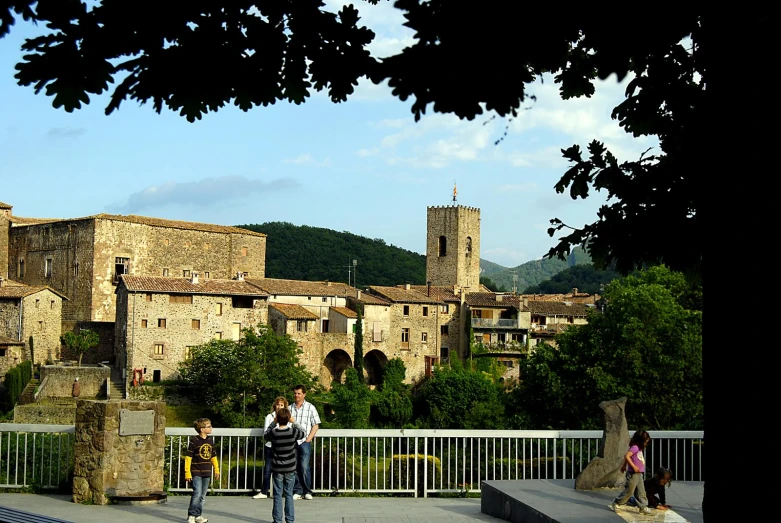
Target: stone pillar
604,471
119,450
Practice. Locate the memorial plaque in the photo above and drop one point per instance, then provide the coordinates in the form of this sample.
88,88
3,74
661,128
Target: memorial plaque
133,422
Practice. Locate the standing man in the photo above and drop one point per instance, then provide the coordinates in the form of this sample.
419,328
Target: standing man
308,419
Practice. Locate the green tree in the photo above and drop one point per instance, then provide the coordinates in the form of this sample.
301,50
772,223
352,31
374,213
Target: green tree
392,402
358,363
240,379
646,346
81,342
351,401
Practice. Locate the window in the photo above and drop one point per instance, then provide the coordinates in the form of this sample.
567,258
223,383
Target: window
21,268
444,309
180,298
243,251
324,299
236,331
166,242
376,331
424,337
186,273
3,352
51,305
156,376
324,327
406,310
148,296
206,274
444,354
143,324
405,338
196,324
206,246
443,330
40,325
218,309
477,313
355,328
165,272
188,352
241,302
161,323
37,303
76,269
309,298
570,319
425,311
468,245
47,268
218,335
159,349
187,243
120,267
442,246
301,325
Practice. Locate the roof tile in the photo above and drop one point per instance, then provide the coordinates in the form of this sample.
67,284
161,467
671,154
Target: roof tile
185,286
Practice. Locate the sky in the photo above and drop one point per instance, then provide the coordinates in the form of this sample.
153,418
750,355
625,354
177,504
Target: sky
364,166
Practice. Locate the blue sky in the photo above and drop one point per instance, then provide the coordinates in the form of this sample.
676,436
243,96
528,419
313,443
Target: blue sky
363,166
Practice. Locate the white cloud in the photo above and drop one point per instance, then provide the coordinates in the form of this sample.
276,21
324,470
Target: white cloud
306,159
207,192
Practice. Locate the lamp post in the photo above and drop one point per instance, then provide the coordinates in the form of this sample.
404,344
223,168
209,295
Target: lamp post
355,273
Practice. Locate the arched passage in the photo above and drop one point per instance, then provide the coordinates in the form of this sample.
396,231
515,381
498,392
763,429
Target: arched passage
334,366
373,363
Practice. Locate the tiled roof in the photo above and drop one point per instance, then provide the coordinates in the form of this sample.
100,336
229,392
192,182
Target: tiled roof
5,206
22,291
302,288
402,295
581,297
294,312
185,286
440,292
488,300
344,311
9,341
146,220
557,308
369,299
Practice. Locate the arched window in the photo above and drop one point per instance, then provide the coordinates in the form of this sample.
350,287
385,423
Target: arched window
469,245
442,246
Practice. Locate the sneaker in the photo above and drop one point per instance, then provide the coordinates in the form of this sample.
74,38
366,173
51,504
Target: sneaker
259,495
201,519
645,510
296,496
190,519
613,505
307,496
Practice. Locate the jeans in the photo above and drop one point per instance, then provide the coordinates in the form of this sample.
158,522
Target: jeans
283,485
200,487
264,488
304,473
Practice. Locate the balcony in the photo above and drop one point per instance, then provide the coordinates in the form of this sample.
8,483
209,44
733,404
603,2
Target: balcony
490,323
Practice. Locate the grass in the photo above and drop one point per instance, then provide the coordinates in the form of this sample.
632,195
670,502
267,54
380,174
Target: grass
185,415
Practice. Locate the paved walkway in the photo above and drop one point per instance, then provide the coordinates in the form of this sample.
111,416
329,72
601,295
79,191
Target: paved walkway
244,509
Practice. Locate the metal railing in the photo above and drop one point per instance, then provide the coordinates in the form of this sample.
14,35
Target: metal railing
416,462
496,323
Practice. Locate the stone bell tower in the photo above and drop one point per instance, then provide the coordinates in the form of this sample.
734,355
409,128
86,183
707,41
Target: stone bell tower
453,246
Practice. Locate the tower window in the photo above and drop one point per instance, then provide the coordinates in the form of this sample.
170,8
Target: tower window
442,246
469,245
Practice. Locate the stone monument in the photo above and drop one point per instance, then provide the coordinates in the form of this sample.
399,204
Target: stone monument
604,471
119,451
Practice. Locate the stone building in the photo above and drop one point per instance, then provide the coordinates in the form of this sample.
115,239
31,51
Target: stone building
5,226
10,355
549,318
31,312
160,319
453,246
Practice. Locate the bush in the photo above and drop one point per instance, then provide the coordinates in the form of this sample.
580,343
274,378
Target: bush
400,473
16,379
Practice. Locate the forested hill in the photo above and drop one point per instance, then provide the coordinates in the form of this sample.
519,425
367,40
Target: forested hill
535,272
301,252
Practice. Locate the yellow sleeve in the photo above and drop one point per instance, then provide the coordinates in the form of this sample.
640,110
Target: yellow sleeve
187,463
215,464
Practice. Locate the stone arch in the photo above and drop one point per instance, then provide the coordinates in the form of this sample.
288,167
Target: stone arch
373,363
334,365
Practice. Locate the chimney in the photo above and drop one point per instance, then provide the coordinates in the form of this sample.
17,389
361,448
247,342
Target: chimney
498,298
406,286
525,301
428,290
239,275
359,294
328,283
574,291
194,277
1,281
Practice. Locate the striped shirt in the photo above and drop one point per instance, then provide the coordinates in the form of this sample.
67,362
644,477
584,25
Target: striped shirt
201,450
283,447
306,417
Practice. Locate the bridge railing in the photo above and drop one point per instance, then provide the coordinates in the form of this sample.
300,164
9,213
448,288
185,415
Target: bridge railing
417,462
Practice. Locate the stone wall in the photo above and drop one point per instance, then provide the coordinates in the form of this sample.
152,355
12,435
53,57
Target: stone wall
5,226
45,414
102,352
186,325
60,382
107,463
42,319
460,227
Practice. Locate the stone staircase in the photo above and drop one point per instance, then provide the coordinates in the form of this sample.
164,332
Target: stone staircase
116,386
28,394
